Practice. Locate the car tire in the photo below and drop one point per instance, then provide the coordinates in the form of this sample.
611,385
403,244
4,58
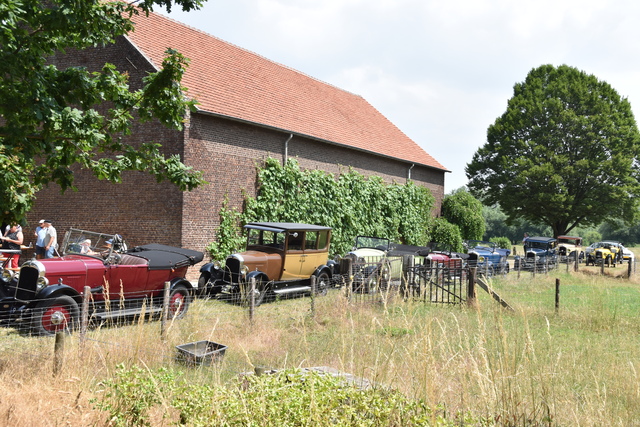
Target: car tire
202,285
55,315
259,295
179,301
385,275
322,283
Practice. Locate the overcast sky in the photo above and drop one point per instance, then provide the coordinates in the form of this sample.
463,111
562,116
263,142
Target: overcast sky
441,70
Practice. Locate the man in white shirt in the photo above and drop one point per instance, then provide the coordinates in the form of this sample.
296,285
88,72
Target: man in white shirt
50,239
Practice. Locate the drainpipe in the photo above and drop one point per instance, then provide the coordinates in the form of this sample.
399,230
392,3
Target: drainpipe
286,149
409,172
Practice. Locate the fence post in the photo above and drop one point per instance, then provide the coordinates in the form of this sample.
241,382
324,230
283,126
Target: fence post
349,288
471,287
567,264
252,300
576,261
313,296
602,267
165,312
58,353
407,264
514,251
557,295
629,269
519,267
84,321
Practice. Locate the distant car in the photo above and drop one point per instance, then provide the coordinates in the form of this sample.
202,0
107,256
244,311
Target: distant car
370,264
568,246
487,256
540,253
281,257
45,295
608,252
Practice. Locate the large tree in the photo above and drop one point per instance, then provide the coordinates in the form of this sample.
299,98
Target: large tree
564,153
52,119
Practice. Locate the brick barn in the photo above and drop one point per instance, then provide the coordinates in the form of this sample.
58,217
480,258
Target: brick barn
249,108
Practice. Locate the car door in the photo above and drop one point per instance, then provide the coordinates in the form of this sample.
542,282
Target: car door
294,256
316,251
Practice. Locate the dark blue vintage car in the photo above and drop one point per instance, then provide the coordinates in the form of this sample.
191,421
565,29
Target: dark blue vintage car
487,256
540,254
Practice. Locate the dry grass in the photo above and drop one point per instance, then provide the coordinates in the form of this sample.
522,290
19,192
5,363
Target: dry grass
528,367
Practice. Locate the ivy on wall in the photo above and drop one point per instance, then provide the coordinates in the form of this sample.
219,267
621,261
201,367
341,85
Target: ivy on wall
350,203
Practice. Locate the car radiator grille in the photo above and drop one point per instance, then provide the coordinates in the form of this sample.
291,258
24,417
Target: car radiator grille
27,283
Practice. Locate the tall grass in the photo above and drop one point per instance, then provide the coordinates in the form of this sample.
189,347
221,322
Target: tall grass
533,366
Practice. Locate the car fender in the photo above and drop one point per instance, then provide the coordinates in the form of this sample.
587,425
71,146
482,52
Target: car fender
258,275
54,291
323,269
180,281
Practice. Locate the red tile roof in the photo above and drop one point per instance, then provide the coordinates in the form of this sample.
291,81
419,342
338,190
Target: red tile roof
231,81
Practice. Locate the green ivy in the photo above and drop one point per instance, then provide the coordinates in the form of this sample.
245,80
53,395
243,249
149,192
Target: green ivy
350,203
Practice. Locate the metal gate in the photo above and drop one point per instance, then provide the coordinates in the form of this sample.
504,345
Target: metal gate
436,284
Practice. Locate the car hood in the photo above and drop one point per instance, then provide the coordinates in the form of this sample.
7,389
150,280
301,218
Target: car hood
368,253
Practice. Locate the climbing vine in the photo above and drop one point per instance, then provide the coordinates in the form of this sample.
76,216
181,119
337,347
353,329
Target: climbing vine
350,203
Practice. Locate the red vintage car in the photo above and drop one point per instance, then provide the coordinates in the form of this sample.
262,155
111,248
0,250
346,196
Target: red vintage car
45,295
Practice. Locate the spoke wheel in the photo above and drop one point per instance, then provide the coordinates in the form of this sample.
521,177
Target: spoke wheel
55,315
179,301
322,284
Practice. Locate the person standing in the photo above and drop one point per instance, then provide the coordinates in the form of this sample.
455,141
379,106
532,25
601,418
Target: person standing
12,240
50,239
39,234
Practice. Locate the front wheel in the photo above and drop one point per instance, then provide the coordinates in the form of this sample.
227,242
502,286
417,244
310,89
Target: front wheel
202,285
179,301
55,315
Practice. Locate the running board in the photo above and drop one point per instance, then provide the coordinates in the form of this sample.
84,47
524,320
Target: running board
104,315
292,290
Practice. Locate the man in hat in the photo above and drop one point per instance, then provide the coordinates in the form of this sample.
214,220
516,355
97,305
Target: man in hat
39,234
50,239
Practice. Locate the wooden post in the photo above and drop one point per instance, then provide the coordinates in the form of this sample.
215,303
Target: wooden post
514,251
519,267
557,295
313,295
629,269
165,312
84,321
252,299
576,261
471,287
58,353
349,288
602,267
567,264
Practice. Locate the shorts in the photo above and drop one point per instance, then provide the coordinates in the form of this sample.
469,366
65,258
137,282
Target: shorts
40,250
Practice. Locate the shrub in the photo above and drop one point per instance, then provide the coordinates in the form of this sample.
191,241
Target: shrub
503,242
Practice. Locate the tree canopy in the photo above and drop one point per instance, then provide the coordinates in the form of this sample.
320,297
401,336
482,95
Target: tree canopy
565,152
465,211
52,119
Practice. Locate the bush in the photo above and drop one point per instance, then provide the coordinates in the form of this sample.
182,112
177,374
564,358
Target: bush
503,242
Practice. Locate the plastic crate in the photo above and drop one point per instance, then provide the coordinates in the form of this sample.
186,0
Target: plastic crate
200,353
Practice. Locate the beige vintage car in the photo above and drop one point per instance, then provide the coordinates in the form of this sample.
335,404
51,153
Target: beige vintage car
567,246
281,257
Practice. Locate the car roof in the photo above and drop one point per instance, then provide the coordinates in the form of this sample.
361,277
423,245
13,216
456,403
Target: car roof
569,237
162,257
284,226
541,239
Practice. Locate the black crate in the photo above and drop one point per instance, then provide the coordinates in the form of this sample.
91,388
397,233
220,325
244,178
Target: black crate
200,353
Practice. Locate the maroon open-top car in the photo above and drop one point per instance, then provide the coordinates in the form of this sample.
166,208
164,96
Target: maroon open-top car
45,295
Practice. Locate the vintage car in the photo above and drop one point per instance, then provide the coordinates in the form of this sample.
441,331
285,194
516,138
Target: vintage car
487,257
371,268
281,257
568,247
540,253
607,252
44,296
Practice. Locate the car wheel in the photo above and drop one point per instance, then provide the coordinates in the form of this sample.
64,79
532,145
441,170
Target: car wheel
506,269
55,315
322,283
258,295
385,275
202,284
179,301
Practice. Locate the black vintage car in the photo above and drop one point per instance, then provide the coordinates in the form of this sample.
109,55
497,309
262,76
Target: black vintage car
45,295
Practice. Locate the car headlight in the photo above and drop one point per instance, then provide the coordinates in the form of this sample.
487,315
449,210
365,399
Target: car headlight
244,270
7,275
480,259
42,283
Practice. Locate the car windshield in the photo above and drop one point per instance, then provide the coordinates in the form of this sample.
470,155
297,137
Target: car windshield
480,244
82,242
257,237
537,245
372,242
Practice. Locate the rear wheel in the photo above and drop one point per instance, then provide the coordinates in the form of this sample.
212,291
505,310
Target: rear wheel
322,283
202,284
55,315
179,301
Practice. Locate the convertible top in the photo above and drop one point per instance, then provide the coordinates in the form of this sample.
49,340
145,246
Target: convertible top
163,256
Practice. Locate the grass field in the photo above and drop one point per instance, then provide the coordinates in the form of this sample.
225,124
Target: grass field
531,366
